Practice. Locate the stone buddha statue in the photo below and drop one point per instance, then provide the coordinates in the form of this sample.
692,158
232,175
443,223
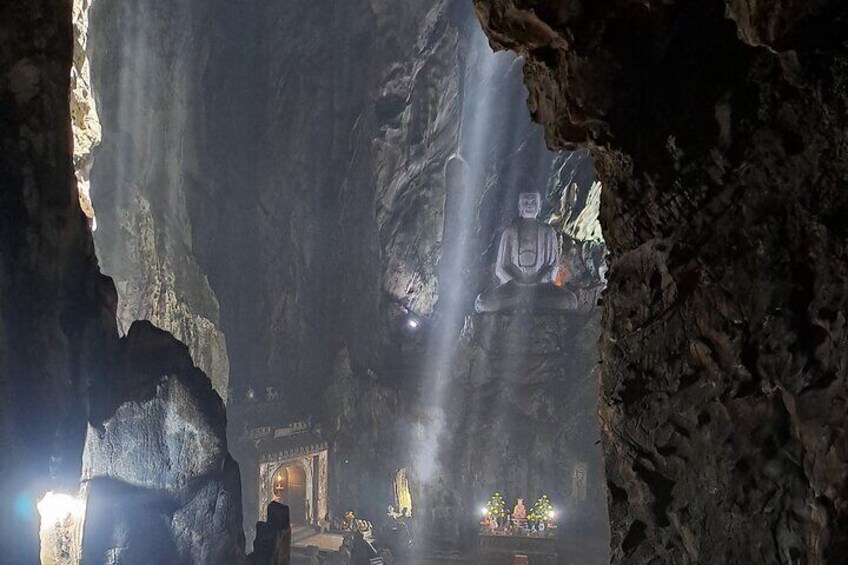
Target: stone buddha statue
528,256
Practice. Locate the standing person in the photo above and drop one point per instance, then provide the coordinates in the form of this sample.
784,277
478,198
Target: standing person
361,553
405,526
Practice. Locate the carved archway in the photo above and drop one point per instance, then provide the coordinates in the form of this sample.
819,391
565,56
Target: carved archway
403,493
300,483
290,485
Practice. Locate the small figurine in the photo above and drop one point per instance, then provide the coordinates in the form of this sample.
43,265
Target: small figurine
349,523
390,511
520,511
487,523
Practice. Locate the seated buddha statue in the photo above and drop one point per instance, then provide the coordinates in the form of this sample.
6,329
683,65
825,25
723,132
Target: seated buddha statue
519,513
528,256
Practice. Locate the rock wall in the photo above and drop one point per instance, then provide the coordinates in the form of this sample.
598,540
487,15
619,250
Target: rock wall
161,484
60,352
339,232
716,128
521,422
339,147
85,122
147,59
54,304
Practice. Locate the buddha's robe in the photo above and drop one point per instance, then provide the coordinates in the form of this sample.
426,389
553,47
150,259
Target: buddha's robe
528,253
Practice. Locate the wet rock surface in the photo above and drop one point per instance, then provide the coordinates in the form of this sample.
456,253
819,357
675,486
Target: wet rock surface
715,127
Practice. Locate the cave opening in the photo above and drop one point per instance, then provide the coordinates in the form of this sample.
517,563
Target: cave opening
322,268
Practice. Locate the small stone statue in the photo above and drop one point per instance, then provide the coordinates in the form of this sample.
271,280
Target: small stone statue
527,258
520,511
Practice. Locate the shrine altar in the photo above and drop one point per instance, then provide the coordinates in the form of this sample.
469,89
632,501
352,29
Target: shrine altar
500,549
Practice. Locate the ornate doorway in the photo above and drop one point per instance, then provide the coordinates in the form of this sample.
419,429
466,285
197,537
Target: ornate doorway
293,471
289,487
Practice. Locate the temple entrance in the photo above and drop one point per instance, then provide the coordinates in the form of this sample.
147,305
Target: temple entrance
293,471
289,487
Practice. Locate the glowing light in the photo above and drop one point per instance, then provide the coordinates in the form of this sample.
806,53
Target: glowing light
484,511
413,324
466,174
23,505
60,531
55,508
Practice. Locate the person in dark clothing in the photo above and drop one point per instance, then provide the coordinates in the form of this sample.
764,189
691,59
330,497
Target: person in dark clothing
362,552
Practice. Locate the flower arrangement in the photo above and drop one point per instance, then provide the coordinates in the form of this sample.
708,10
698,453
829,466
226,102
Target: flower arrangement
542,510
496,506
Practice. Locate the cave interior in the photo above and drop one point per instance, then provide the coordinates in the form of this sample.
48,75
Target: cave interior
347,282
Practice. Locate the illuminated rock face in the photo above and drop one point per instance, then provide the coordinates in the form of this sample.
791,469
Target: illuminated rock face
715,131
165,426
159,436
60,531
147,164
85,123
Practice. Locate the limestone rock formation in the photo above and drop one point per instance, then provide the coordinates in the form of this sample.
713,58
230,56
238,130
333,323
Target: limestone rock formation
158,432
144,168
169,426
62,363
85,123
520,422
54,304
717,131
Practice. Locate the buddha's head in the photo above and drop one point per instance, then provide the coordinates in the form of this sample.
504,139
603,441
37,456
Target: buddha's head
529,204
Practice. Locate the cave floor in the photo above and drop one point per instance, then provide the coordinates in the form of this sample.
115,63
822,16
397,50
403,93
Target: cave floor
445,558
325,542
